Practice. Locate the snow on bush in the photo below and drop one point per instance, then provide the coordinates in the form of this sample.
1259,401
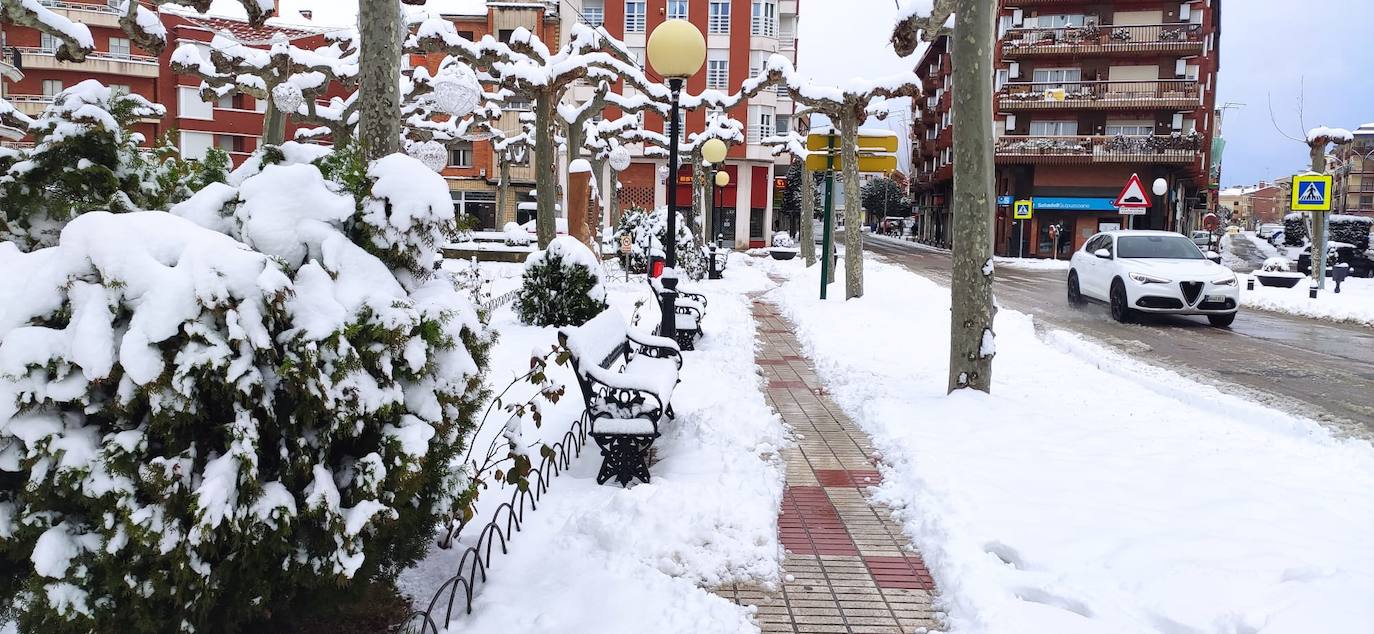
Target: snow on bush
648,231
85,156
207,417
516,236
783,240
1276,264
562,285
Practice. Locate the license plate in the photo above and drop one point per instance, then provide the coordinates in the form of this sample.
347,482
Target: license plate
1215,298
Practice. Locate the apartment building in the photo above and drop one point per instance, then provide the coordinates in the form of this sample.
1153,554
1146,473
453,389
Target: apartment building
1086,94
1357,173
741,35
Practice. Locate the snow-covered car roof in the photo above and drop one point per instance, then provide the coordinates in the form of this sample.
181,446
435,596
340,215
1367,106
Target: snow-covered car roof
1143,232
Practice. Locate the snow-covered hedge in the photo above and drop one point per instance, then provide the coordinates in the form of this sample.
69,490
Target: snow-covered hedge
209,414
86,157
1353,230
562,285
648,231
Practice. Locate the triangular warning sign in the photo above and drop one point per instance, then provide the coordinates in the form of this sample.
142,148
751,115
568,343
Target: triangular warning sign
1134,194
1312,194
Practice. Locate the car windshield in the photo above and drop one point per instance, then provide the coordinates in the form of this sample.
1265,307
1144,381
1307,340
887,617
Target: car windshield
1158,247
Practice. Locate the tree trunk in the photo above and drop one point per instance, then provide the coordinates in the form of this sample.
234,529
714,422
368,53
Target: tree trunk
972,311
698,200
503,186
273,125
1318,221
379,77
853,208
808,215
545,172
597,216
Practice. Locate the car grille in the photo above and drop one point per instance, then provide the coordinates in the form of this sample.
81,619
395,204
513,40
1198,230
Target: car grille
1191,291
1159,303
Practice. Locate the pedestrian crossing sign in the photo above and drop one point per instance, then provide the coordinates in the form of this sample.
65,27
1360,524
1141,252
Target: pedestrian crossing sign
1312,192
1023,210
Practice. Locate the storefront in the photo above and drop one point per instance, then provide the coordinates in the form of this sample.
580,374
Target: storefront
1059,227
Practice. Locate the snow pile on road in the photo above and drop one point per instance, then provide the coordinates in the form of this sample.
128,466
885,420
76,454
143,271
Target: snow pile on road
1089,492
1355,302
615,560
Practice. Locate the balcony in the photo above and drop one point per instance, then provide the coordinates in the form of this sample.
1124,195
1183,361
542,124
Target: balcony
97,62
1183,94
1178,148
32,105
89,14
1182,38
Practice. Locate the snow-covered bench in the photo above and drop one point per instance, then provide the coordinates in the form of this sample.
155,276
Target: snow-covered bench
627,379
690,309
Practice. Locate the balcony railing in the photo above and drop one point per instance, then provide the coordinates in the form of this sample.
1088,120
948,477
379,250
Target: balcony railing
1104,38
109,6
96,55
1168,93
1176,148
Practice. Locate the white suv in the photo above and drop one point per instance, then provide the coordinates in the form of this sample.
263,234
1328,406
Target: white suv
1153,272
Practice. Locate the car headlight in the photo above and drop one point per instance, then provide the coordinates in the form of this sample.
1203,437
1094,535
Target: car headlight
1148,279
1229,280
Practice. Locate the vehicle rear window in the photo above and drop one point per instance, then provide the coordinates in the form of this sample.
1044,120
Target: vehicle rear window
1158,247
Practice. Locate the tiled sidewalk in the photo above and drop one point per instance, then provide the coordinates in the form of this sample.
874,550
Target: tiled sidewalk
847,563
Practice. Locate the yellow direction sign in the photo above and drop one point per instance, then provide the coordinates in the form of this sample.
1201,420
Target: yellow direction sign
867,162
1023,211
867,142
1312,192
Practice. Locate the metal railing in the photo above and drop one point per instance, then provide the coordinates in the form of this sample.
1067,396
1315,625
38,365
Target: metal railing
110,6
1175,148
1096,94
1105,37
95,55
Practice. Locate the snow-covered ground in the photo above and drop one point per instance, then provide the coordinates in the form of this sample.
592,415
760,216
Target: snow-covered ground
607,559
1090,492
1355,302
1032,264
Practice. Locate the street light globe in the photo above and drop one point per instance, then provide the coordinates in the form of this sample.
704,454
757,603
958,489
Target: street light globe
722,179
713,151
676,49
1161,187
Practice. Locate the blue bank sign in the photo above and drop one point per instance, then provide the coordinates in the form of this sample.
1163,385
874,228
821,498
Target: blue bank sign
1074,204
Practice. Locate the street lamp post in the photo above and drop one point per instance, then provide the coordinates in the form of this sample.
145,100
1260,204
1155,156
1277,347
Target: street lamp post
713,151
676,50
722,180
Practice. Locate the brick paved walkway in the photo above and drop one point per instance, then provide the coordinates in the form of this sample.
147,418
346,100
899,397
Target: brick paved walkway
848,566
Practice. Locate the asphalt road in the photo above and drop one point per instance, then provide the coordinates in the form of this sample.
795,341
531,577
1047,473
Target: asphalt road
1315,368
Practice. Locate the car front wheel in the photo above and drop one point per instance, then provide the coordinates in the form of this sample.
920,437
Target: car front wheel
1075,293
1121,309
1222,321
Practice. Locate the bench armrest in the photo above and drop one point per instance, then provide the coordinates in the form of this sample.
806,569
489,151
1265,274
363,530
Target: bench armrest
655,346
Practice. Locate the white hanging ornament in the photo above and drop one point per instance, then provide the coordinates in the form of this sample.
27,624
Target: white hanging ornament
457,91
431,153
619,159
287,97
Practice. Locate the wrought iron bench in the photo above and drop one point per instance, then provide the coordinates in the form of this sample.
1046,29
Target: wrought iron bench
690,309
627,379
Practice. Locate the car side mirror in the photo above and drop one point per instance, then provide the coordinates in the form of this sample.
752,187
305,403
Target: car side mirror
1103,253
1214,256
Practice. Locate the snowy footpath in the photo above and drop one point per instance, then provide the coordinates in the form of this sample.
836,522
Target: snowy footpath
1354,304
1090,493
613,560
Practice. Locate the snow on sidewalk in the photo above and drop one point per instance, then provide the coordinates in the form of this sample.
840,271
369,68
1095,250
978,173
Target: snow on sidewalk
607,559
1354,304
1089,492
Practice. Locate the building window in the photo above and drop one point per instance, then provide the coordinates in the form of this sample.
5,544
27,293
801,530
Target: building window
461,155
120,48
784,126
231,143
1059,77
765,18
194,145
505,35
47,43
720,16
681,127
718,73
1366,201
120,89
467,35
677,9
479,206
190,106
593,12
1130,128
51,87
760,123
1054,128
634,16
1055,21
516,103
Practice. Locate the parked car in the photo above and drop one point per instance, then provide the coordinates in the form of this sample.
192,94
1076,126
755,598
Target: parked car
1203,239
1153,272
1277,238
1339,253
1267,230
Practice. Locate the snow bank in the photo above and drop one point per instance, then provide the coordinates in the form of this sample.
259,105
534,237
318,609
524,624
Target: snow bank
1354,304
1089,492
614,560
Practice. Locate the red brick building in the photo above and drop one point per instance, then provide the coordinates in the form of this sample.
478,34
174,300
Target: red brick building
740,35
1087,93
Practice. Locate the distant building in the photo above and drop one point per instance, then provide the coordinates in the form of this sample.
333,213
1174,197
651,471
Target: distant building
1252,206
1086,94
1357,185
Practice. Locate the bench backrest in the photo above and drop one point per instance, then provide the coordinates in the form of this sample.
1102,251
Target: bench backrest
600,341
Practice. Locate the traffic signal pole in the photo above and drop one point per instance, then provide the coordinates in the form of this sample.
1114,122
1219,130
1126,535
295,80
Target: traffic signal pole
829,211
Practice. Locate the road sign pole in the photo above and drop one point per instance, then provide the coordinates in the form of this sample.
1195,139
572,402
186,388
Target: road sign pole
829,209
1021,240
